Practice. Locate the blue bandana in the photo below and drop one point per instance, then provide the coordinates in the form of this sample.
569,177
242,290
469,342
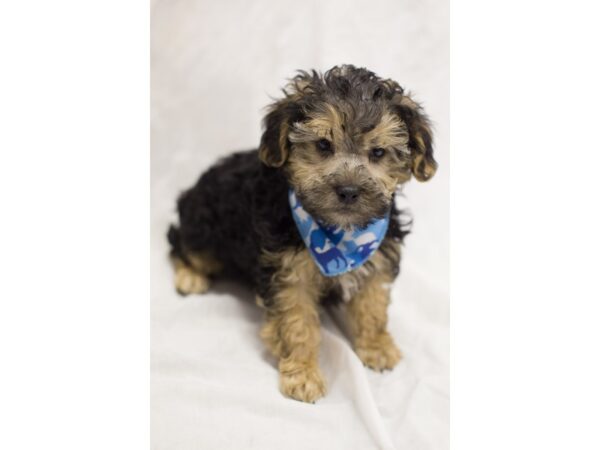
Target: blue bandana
334,250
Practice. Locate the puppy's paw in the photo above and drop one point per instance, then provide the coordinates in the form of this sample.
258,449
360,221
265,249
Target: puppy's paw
189,282
378,353
305,384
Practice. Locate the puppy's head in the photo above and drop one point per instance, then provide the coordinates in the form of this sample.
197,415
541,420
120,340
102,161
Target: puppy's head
345,140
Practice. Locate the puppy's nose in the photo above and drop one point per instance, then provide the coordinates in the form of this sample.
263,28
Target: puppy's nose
347,194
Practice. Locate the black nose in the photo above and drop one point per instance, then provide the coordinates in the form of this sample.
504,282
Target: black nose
347,194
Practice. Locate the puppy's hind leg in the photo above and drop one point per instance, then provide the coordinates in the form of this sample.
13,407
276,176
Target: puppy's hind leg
193,278
192,269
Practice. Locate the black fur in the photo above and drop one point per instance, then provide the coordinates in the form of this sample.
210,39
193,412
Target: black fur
238,209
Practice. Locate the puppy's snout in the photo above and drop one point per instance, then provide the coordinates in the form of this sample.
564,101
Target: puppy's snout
347,194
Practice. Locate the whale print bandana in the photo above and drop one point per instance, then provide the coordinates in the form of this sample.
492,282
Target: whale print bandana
335,250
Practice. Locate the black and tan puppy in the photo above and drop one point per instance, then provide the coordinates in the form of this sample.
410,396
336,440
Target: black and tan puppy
343,141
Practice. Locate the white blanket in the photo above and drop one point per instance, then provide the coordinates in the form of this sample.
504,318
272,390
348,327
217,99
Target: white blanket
214,386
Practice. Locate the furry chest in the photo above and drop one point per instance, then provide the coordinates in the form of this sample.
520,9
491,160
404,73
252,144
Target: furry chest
347,285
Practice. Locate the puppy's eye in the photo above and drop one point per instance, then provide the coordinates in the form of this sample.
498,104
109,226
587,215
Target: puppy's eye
377,152
324,145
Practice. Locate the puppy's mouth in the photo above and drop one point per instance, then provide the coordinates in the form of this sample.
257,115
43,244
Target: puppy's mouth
347,216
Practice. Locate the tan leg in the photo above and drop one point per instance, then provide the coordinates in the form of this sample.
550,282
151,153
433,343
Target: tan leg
367,314
292,331
194,278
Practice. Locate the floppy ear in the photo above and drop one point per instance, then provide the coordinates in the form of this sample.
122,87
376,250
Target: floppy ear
274,144
420,139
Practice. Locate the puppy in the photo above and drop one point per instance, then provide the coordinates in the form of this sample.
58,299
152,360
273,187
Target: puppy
310,217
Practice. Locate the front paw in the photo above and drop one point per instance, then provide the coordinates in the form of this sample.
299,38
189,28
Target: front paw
304,383
379,352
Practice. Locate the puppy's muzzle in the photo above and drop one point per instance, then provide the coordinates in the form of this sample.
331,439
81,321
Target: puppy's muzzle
348,194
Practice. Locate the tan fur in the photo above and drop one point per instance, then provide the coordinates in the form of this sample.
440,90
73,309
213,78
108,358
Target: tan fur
291,330
372,145
405,100
389,132
422,168
283,146
351,283
204,263
327,123
367,315
195,278
296,88
275,154
349,162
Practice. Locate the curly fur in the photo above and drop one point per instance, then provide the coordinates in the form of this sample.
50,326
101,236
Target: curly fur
239,209
236,220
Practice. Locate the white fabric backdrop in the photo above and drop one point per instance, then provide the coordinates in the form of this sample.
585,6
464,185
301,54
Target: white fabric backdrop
214,67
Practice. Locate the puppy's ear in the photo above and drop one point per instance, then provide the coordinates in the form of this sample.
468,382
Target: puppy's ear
274,144
420,139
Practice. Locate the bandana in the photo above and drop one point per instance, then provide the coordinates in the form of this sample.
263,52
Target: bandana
335,250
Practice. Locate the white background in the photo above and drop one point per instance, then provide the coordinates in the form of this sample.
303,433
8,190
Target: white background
214,67
74,235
